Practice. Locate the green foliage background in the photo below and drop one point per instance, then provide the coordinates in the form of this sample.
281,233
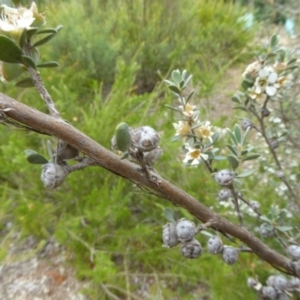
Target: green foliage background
113,56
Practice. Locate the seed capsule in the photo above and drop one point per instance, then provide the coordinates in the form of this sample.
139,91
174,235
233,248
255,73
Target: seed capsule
224,177
53,175
191,249
145,138
230,255
214,245
269,292
294,251
169,235
185,230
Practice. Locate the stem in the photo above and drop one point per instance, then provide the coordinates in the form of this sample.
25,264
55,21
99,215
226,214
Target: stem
110,161
84,163
236,204
273,152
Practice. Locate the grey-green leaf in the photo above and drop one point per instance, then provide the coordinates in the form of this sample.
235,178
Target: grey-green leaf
233,160
50,64
9,51
24,83
28,61
169,214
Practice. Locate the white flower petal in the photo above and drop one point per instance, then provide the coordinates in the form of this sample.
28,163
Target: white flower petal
271,90
272,78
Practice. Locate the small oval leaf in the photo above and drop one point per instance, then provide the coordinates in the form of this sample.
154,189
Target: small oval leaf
28,61
9,51
24,83
50,64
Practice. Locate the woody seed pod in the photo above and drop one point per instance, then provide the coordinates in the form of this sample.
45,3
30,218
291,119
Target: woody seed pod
169,235
294,251
230,255
185,230
214,245
145,138
191,249
269,292
53,175
224,177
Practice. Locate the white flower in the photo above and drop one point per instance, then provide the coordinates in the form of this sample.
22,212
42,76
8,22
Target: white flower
194,154
188,110
13,19
265,82
252,70
182,128
204,131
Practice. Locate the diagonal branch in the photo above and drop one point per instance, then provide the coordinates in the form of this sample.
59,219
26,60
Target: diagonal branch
164,189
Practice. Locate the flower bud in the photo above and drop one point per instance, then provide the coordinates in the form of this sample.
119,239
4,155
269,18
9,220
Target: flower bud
169,235
53,175
191,249
230,255
224,177
185,230
214,245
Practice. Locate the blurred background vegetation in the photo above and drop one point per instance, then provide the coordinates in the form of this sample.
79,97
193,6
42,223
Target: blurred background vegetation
113,58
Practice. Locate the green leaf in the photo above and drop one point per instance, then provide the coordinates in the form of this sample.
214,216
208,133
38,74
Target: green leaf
28,61
31,32
176,138
236,99
291,61
24,83
233,150
219,157
35,158
59,28
233,160
245,174
50,64
238,133
49,149
189,96
44,40
173,108
174,89
123,137
274,40
264,218
23,38
232,136
245,136
9,51
251,157
47,30
176,76
284,228
169,215
246,84
187,81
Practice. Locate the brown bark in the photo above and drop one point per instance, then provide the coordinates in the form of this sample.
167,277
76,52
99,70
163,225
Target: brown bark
108,160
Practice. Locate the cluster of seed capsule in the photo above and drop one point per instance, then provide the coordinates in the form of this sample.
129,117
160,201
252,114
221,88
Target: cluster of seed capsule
142,141
184,231
277,287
